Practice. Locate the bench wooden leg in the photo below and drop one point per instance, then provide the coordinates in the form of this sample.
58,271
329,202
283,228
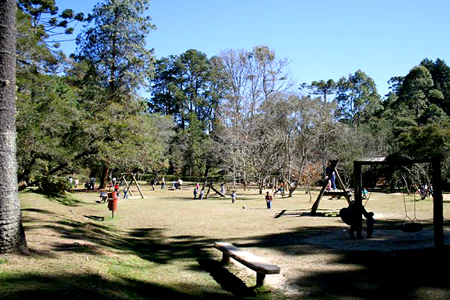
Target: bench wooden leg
260,279
225,259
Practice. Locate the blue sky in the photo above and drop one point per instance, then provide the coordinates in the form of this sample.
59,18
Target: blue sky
322,39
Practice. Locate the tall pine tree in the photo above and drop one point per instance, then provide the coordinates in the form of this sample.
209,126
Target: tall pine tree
119,65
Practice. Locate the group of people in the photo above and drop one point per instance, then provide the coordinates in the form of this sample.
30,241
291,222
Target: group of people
353,218
198,193
90,183
177,185
425,191
74,182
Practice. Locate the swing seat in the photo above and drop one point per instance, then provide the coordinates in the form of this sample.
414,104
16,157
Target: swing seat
411,227
345,215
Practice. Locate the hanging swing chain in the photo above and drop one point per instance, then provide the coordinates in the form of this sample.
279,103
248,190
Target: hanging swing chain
367,200
414,205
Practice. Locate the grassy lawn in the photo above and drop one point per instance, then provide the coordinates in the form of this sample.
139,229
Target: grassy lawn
162,247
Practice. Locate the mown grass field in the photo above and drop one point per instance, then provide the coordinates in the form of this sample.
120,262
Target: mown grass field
161,247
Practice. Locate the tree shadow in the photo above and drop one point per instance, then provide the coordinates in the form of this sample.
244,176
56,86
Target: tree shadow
148,243
408,274
227,280
412,273
69,286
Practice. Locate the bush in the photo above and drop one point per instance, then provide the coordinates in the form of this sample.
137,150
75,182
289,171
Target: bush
53,185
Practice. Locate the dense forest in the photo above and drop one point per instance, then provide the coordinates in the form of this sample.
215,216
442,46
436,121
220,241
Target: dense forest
238,114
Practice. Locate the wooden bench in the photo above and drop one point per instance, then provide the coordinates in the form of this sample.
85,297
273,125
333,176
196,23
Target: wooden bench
251,261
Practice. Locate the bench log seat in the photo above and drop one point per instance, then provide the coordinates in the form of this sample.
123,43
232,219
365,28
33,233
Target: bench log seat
334,193
261,266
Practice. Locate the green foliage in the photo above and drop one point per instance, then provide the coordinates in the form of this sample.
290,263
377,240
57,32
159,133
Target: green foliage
48,124
183,85
440,73
115,47
235,111
188,88
357,98
47,24
426,141
321,88
418,110
54,186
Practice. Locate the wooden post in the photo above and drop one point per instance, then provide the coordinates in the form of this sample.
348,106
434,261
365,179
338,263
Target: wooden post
322,191
346,195
438,214
357,170
138,187
316,204
260,278
127,186
209,189
225,259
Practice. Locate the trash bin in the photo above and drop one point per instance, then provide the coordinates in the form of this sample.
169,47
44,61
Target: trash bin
112,202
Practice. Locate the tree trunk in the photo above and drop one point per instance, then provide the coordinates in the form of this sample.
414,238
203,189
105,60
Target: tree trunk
104,178
12,235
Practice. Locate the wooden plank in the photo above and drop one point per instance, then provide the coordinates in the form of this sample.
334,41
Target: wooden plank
346,194
217,191
334,193
249,260
138,187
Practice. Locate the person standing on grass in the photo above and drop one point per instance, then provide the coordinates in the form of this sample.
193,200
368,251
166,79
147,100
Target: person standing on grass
116,189
163,182
233,197
152,182
268,200
370,223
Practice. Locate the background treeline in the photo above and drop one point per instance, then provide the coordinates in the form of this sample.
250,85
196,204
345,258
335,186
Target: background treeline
112,107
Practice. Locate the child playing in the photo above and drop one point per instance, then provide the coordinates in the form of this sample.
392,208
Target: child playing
370,221
233,197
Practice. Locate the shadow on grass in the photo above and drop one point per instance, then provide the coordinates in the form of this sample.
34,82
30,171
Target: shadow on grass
35,286
410,274
96,237
148,243
371,274
227,280
407,274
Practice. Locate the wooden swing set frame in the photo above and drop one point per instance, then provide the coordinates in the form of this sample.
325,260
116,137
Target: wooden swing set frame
323,192
438,210
128,185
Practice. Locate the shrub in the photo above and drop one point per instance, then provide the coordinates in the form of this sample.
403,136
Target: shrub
53,185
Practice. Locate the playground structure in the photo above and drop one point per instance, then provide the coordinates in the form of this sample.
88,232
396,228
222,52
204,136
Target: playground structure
438,214
323,192
127,188
210,184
